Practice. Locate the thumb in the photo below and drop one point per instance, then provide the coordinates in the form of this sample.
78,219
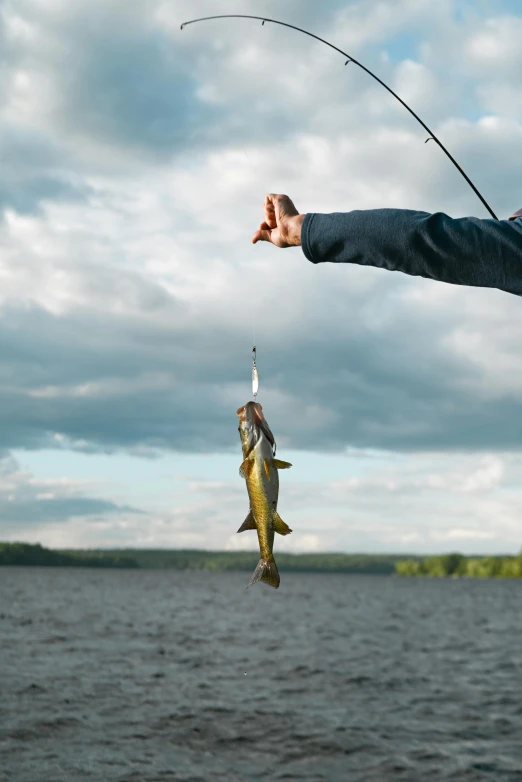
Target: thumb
263,234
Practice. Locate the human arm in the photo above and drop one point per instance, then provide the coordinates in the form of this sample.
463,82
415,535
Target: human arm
462,251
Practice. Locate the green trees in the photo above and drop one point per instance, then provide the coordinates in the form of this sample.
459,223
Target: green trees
35,554
198,559
453,564
179,559
408,567
458,565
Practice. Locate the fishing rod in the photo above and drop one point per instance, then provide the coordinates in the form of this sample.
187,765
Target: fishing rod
431,137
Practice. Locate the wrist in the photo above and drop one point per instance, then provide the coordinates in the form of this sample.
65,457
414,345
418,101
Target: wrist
294,230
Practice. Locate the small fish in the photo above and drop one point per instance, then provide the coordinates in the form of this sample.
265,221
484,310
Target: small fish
259,469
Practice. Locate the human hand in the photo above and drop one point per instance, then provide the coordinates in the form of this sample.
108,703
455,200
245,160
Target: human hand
282,224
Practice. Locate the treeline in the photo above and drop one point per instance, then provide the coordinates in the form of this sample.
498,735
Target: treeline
35,554
197,559
193,559
459,565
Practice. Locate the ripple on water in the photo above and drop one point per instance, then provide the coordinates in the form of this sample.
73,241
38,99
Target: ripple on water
142,676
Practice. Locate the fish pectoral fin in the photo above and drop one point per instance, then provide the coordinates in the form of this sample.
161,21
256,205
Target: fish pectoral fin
249,522
281,465
279,525
267,468
246,467
267,572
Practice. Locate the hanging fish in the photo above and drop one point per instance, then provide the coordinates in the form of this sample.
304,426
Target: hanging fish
259,469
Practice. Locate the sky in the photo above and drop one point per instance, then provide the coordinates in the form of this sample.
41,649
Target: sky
135,158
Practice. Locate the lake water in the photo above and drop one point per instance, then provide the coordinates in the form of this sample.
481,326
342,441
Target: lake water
156,676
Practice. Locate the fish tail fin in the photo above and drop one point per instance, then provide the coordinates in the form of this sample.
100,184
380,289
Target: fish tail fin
266,571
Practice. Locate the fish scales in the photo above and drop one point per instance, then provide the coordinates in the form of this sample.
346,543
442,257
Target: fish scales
260,471
262,486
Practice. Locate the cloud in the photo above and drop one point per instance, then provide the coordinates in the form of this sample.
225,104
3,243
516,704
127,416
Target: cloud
135,160
132,353
494,46
27,502
417,503
403,503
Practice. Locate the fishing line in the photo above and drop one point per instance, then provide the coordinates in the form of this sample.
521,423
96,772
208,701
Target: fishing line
350,59
255,374
253,167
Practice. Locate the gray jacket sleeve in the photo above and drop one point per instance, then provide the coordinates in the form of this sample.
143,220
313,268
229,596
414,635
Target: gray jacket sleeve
463,251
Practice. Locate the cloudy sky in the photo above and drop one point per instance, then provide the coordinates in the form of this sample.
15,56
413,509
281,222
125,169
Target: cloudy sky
135,159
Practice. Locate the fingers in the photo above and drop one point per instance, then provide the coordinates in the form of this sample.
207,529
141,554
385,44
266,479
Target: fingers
277,208
263,234
269,210
281,203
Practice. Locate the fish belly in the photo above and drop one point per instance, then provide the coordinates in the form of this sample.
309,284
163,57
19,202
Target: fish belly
261,502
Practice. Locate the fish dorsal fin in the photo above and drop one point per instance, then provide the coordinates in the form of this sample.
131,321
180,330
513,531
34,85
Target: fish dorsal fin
279,525
246,467
249,522
281,465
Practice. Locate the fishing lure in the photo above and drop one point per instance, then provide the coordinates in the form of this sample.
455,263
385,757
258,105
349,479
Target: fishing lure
255,374
350,59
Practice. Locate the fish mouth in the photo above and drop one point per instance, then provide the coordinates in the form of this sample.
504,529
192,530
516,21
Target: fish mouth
254,411
241,412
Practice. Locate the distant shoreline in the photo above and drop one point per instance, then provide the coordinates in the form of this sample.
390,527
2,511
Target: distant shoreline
447,565
33,554
192,559
459,566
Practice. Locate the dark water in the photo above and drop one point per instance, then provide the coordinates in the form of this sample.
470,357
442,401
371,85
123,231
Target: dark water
122,675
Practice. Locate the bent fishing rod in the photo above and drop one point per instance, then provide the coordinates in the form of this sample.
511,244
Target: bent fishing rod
350,59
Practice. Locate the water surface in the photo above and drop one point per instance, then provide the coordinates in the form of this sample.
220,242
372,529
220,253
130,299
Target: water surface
153,676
